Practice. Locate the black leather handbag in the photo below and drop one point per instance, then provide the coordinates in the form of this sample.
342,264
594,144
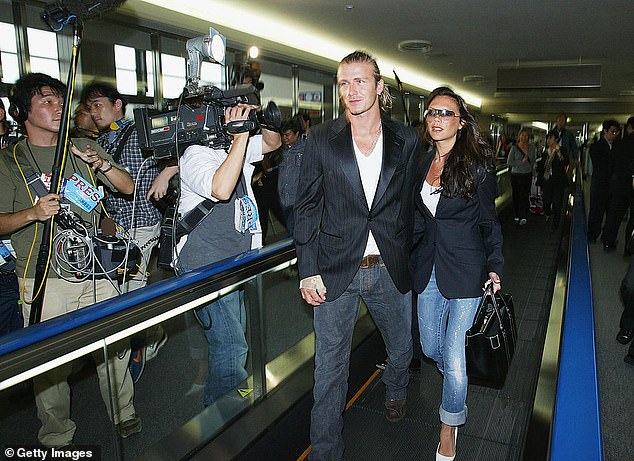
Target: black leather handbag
490,342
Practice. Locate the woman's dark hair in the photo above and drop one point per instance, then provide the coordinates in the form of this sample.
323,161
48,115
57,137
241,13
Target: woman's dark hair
470,156
554,134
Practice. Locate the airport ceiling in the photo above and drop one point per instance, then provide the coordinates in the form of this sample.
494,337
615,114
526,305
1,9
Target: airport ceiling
545,44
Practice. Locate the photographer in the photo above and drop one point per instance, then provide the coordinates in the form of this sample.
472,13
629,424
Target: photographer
223,177
135,214
118,136
37,104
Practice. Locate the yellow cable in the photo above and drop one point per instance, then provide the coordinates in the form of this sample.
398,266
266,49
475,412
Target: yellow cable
59,185
94,184
28,259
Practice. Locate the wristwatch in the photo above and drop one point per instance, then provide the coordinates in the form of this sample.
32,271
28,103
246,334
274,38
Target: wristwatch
108,166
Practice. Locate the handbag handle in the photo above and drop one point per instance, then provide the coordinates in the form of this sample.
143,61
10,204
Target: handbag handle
481,311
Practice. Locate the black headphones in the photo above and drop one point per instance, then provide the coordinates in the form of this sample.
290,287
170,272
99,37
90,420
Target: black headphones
17,110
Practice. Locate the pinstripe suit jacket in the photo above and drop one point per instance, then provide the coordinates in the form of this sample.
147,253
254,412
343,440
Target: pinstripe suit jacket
332,218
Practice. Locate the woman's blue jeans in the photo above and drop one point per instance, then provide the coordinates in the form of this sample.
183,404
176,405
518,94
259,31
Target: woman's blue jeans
443,324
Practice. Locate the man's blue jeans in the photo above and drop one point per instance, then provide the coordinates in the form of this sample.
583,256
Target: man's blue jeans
443,324
334,325
224,322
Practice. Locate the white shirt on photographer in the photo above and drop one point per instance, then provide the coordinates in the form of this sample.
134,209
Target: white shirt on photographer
197,167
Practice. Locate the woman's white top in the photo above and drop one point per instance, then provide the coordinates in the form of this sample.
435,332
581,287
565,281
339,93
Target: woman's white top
430,196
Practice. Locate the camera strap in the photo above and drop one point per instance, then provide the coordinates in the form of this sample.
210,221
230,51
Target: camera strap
116,155
193,217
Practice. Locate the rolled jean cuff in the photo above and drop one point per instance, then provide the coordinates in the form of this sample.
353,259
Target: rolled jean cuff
453,419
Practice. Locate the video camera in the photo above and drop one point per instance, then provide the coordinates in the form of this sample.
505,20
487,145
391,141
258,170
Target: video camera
200,117
200,120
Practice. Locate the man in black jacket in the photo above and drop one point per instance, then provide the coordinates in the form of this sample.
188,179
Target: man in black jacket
352,231
600,154
621,194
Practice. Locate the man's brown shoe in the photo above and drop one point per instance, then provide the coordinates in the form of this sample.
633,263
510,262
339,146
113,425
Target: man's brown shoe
130,426
395,410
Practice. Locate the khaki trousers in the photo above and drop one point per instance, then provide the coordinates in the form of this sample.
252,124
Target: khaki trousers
52,392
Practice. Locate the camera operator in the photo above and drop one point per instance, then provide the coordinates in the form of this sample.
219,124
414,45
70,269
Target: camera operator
118,136
37,104
135,214
232,227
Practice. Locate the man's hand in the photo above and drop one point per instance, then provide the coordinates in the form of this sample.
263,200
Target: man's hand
313,290
46,207
238,112
119,178
89,156
161,183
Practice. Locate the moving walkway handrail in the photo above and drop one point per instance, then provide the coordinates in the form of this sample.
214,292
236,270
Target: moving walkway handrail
82,331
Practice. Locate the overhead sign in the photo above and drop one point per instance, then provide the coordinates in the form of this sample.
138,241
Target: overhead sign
310,96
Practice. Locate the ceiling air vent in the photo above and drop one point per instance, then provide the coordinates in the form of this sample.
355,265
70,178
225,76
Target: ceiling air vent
419,46
474,79
540,77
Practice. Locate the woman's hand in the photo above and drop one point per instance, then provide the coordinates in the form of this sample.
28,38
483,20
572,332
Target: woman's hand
494,279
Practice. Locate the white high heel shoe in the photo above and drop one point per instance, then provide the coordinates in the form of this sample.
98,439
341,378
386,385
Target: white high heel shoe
440,457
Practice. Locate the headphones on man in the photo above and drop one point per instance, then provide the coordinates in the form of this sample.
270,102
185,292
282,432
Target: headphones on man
17,110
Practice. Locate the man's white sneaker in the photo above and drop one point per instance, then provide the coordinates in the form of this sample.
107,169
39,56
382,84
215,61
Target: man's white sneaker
152,349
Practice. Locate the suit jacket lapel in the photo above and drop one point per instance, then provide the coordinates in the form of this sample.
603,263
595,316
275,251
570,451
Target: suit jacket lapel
392,151
341,144
424,165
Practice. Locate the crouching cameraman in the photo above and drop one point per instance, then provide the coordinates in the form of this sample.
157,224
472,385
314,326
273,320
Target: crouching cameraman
232,227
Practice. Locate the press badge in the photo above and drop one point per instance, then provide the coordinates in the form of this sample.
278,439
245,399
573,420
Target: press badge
82,193
246,215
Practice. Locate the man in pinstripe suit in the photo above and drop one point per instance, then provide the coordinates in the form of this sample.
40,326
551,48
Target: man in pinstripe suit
352,233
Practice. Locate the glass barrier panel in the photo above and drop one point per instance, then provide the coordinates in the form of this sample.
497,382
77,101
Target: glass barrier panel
69,405
194,372
287,325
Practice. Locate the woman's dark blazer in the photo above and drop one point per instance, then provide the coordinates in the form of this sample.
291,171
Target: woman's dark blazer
463,240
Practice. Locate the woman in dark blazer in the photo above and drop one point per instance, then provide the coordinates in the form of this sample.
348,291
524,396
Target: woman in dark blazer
457,246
